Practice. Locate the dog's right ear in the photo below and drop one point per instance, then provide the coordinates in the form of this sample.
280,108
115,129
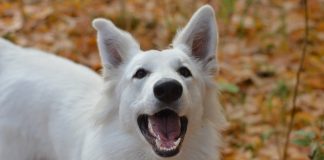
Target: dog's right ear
115,46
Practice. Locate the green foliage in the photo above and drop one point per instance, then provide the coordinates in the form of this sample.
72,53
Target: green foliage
304,139
266,135
228,87
307,139
281,91
227,9
317,152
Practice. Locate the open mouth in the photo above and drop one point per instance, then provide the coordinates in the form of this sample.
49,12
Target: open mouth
164,130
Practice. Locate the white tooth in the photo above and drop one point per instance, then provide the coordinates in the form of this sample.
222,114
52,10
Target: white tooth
176,143
151,128
158,143
160,147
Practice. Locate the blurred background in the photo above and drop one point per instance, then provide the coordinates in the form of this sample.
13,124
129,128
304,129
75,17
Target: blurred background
259,52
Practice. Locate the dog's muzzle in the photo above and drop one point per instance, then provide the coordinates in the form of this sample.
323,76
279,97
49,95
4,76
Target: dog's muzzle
165,129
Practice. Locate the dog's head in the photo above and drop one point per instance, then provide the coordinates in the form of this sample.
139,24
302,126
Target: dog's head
162,96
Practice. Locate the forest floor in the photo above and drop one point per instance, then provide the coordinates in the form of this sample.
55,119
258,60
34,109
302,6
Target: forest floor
259,52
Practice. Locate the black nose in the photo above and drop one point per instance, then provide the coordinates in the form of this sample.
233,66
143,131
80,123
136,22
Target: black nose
167,90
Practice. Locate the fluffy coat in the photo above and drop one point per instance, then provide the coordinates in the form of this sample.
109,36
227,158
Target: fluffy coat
54,109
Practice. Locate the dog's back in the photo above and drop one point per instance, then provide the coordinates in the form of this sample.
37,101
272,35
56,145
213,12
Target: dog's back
34,89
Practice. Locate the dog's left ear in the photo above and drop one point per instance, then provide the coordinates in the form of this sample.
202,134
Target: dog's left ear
115,45
199,37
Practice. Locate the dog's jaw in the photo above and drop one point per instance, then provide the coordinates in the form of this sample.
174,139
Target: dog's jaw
164,131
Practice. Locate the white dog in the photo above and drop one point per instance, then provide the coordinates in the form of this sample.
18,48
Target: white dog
150,105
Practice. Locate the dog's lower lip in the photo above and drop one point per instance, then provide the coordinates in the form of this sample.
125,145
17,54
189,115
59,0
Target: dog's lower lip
165,142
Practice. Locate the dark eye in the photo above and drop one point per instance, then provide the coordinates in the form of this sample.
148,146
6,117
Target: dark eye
140,73
184,71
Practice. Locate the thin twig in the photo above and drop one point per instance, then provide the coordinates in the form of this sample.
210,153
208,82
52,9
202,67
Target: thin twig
295,93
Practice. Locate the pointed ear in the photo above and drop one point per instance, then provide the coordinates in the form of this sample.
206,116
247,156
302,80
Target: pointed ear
115,45
199,37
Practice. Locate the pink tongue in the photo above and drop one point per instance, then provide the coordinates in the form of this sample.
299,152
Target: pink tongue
167,126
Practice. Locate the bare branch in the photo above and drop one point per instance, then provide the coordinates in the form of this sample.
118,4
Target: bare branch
295,93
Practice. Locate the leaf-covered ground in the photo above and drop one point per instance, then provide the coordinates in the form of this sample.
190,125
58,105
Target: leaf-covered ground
259,51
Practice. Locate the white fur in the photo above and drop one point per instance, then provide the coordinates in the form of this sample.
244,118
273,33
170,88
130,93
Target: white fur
54,109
